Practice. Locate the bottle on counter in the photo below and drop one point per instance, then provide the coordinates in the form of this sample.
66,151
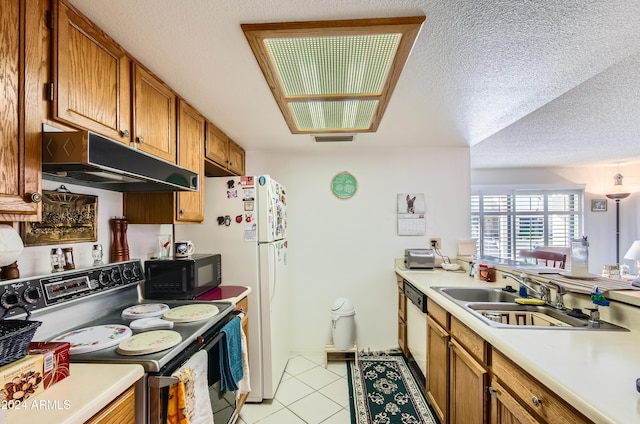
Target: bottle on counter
491,274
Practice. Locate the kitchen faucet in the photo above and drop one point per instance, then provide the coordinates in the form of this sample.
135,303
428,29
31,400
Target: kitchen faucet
560,292
544,292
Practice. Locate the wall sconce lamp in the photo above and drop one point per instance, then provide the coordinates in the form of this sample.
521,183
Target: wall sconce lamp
618,193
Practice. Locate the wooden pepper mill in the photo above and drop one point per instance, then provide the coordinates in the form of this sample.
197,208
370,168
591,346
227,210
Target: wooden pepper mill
119,247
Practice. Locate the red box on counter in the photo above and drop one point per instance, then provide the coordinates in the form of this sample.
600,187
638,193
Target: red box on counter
55,360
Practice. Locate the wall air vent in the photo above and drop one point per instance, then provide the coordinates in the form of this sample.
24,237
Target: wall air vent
333,138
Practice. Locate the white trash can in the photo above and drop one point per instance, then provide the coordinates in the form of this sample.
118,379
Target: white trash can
343,324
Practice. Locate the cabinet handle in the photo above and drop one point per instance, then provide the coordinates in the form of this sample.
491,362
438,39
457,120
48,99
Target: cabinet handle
450,344
442,336
492,391
36,197
140,139
536,402
125,133
181,211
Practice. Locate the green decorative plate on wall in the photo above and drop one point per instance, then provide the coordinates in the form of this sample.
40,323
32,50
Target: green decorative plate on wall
344,185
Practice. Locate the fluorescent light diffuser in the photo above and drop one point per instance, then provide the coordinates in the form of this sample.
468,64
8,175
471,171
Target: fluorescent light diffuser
333,76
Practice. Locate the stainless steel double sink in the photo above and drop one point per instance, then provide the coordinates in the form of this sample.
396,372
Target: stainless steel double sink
497,308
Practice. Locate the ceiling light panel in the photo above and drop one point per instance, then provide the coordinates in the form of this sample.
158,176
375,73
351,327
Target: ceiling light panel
333,76
337,116
312,66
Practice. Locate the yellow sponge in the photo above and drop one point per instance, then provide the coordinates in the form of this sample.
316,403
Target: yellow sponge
529,301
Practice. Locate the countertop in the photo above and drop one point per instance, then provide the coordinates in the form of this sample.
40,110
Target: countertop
595,371
88,389
226,293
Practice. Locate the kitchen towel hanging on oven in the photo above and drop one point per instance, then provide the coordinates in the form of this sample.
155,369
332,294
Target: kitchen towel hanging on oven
189,399
231,371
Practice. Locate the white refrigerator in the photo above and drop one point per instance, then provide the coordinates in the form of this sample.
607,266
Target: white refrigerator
246,222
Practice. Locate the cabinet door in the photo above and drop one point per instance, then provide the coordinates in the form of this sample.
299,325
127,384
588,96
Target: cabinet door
505,409
217,145
437,377
467,382
190,205
236,158
154,115
91,76
20,121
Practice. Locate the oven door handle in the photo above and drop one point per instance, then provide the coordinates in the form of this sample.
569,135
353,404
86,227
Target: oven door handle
160,381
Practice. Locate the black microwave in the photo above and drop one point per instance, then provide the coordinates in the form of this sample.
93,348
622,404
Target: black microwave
181,278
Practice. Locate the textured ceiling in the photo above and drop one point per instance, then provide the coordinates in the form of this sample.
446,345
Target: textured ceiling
525,83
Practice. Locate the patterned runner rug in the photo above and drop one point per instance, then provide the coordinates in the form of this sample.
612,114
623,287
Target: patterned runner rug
383,391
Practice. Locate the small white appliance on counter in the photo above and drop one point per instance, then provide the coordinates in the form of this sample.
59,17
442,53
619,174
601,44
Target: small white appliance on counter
246,221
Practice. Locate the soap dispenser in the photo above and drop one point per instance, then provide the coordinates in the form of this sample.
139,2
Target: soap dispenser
523,289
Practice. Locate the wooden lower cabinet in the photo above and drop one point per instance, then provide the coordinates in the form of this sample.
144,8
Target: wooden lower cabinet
468,380
437,378
402,317
121,411
533,396
505,409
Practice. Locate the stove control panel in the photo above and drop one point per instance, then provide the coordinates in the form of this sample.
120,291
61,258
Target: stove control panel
22,295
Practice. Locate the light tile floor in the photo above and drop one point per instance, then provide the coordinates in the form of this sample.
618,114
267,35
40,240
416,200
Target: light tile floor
308,393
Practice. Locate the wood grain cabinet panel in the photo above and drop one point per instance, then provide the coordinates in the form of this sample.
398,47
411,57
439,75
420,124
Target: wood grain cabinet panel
437,378
154,115
22,72
121,411
91,76
505,409
223,156
468,380
236,158
190,205
534,396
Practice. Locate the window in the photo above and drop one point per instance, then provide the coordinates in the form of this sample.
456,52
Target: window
505,222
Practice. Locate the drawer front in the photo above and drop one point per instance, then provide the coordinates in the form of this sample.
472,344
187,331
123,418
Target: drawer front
438,314
400,282
532,394
473,343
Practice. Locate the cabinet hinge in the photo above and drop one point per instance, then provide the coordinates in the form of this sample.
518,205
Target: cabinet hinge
49,19
49,91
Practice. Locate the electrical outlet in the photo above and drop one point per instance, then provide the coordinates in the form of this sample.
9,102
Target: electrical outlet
435,243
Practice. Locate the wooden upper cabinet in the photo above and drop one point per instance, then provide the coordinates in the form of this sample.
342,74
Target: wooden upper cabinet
191,133
222,155
91,77
236,158
217,145
22,73
154,115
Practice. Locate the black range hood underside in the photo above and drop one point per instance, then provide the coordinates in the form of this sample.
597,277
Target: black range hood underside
88,159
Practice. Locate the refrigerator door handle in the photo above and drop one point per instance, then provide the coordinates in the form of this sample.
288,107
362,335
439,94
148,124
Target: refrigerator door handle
273,283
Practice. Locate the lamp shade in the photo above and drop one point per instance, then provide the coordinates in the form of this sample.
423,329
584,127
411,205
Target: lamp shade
617,192
10,245
634,251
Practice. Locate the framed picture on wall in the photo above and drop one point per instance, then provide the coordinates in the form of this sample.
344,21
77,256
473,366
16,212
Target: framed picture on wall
598,205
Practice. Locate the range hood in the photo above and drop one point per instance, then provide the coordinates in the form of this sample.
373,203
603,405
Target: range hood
86,158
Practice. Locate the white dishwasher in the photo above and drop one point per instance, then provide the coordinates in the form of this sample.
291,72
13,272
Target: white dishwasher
417,325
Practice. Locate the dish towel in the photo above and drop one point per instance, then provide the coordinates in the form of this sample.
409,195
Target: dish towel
244,385
231,356
189,401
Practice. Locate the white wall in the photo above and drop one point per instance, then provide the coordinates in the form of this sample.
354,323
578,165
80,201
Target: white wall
599,227
346,248
141,238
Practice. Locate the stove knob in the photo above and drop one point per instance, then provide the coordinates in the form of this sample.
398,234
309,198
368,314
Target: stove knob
115,276
31,295
127,273
104,279
9,300
137,272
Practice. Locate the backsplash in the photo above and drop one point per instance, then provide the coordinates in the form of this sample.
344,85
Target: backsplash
34,260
